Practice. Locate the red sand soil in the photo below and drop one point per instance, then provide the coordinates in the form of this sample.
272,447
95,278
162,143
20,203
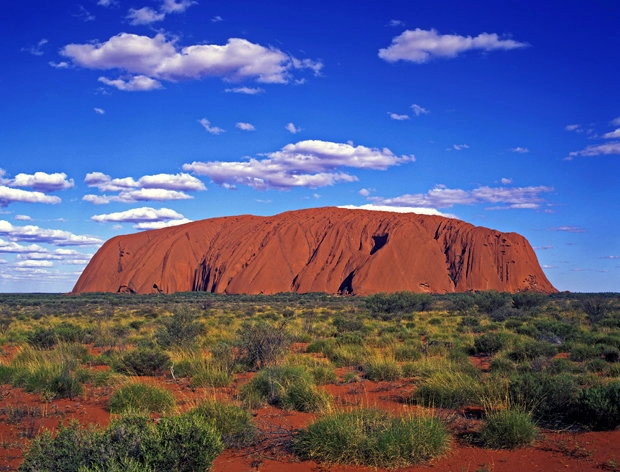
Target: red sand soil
23,415
331,250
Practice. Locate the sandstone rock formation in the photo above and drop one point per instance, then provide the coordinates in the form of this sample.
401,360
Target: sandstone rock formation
329,250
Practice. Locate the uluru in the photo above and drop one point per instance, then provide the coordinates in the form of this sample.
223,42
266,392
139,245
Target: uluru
331,250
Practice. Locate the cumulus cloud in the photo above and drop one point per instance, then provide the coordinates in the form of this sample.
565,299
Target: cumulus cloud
245,90
291,128
444,197
99,111
418,110
137,83
12,195
598,150
144,16
159,58
397,117
520,150
56,237
144,218
206,124
158,187
396,209
421,46
310,163
612,134
42,181
245,126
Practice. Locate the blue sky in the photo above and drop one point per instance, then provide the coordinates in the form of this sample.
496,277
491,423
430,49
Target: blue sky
120,116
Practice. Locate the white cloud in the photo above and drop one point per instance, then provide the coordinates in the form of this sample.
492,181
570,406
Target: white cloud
397,117
106,3
364,192
245,90
612,134
144,218
598,150
57,237
443,197
310,163
245,126
574,127
174,6
506,181
159,58
418,110
217,19
568,229
520,150
291,128
12,195
458,147
42,181
34,263
23,218
99,111
137,83
616,121
206,124
144,16
59,65
83,14
37,49
157,187
421,46
395,23
397,209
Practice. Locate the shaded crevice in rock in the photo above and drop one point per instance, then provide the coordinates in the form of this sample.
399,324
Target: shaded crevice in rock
346,287
379,240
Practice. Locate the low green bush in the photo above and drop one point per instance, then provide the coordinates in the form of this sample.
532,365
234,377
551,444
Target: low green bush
186,443
508,429
382,369
144,361
141,398
372,438
448,388
598,407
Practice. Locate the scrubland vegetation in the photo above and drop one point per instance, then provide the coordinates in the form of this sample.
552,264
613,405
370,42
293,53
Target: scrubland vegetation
528,363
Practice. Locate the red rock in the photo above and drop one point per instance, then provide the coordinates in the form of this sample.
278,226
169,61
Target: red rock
329,250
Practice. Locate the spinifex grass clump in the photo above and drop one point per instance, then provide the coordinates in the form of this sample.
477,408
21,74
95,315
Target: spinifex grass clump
291,387
508,429
236,424
141,398
372,438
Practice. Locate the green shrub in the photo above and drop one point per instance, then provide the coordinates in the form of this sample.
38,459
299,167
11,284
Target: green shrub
372,438
397,303
43,338
144,361
528,300
261,344
508,429
210,374
491,300
490,343
185,443
141,398
234,423
408,352
598,407
548,397
180,329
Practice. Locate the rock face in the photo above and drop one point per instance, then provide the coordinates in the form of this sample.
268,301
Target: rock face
329,250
